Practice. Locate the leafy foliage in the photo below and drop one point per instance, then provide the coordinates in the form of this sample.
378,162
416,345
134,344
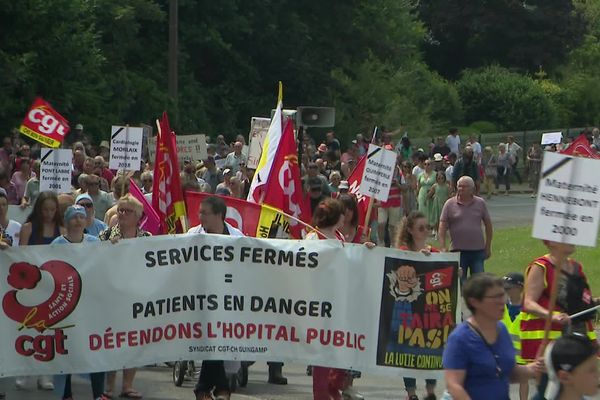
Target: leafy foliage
507,99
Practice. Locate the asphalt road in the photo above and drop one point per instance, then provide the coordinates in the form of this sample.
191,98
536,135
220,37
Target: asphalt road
512,210
156,384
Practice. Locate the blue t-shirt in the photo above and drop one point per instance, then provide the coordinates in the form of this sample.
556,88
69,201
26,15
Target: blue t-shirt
86,238
466,350
96,227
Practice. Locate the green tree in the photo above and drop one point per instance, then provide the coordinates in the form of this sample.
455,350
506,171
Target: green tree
50,49
518,34
507,99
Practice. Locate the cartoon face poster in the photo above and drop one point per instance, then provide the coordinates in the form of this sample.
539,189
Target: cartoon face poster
418,312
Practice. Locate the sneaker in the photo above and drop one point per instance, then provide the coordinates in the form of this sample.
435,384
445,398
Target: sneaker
430,397
413,397
20,383
352,394
44,383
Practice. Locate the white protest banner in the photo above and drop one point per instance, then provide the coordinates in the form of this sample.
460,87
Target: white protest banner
19,214
201,297
189,148
551,138
126,148
55,170
379,172
567,209
258,131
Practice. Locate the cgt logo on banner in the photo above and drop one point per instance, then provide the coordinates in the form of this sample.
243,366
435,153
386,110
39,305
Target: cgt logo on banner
43,124
27,305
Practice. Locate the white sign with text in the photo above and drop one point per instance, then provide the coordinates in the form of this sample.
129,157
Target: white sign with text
189,148
378,174
258,131
126,148
567,208
55,170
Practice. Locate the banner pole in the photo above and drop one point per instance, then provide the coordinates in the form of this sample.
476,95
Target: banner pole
367,227
551,307
123,171
580,313
310,227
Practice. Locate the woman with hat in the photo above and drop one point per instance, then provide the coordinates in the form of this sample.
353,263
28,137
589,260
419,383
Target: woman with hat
75,221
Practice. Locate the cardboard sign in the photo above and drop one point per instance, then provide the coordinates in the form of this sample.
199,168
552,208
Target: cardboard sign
189,148
55,170
258,131
551,138
43,124
378,174
567,208
126,148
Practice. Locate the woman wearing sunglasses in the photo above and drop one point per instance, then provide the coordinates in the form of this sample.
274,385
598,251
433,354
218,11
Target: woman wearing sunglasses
479,358
412,237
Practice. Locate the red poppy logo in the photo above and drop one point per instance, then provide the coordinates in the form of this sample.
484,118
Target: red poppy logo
60,304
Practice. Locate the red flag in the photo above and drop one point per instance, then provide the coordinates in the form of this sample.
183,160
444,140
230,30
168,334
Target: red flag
581,147
44,124
284,186
252,219
354,181
167,196
150,222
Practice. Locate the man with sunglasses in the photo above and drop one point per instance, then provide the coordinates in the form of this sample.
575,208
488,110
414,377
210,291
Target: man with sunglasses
102,200
93,225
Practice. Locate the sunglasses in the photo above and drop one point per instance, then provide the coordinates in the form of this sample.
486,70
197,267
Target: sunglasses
86,205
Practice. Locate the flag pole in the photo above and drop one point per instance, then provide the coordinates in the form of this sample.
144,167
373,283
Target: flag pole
312,228
367,226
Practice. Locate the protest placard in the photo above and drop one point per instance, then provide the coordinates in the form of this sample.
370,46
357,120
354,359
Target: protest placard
126,148
551,138
225,298
43,124
567,208
258,131
55,170
378,174
189,148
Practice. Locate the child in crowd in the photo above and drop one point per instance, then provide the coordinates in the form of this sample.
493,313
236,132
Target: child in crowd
572,365
439,193
513,285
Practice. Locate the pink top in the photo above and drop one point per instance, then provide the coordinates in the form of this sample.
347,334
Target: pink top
464,223
19,181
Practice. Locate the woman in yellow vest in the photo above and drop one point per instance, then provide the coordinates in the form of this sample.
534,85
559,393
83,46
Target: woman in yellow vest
574,295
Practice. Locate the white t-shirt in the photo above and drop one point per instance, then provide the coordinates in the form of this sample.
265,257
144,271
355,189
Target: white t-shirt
417,171
449,171
232,230
454,143
12,231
